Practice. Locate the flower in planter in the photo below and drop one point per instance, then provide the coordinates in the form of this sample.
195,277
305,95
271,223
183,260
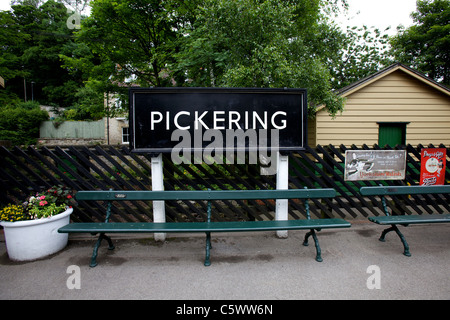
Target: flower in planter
49,203
42,205
13,212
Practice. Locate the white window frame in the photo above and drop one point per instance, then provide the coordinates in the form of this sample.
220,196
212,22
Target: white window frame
127,135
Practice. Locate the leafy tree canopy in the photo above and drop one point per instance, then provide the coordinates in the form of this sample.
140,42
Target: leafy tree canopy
250,43
33,36
241,43
425,45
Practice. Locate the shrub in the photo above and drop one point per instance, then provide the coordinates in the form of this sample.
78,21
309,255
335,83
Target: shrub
21,124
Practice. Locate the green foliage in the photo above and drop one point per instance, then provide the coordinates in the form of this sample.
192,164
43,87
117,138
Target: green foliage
206,43
362,52
250,43
424,46
137,36
33,36
89,106
20,123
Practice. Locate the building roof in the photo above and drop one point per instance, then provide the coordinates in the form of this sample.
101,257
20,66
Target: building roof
358,85
382,73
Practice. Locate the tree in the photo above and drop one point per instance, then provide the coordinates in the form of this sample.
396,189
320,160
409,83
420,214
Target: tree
10,63
362,51
424,46
96,72
34,35
259,43
253,43
137,36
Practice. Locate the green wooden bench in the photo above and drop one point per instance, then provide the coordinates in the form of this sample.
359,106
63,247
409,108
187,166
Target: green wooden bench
404,220
206,227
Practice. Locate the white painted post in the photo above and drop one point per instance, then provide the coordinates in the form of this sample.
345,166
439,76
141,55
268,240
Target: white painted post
282,184
159,210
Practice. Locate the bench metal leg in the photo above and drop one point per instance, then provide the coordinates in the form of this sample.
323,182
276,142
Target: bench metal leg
401,236
208,248
97,245
316,242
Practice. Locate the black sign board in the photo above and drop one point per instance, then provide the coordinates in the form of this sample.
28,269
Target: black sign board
161,117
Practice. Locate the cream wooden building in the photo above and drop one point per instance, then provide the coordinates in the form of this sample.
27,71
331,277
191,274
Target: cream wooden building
397,105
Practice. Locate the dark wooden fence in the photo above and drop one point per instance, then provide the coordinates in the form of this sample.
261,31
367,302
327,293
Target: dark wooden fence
24,171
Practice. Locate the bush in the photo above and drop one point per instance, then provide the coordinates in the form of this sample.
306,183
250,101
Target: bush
21,124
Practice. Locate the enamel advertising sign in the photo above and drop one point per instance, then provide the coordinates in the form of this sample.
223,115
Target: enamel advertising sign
375,165
432,171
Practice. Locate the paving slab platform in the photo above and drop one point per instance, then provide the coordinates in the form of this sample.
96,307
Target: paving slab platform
245,266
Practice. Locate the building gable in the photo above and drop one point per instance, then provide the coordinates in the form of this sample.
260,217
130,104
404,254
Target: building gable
397,96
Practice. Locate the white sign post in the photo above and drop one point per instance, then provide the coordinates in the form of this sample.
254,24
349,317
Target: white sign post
159,209
281,213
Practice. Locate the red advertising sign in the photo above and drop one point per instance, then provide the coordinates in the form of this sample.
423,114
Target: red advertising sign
432,171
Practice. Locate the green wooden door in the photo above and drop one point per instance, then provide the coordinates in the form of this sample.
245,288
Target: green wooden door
392,134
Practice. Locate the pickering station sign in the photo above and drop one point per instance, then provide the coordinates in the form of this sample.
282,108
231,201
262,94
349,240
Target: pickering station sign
214,121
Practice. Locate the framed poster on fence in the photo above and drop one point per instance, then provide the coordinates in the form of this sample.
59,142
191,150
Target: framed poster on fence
375,165
432,168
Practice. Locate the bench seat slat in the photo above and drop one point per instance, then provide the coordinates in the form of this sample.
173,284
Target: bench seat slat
411,219
399,190
185,227
207,195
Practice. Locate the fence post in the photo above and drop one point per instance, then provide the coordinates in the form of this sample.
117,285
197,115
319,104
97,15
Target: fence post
281,212
159,210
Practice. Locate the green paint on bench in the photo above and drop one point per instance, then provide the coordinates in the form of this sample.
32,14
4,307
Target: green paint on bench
187,227
402,190
404,220
206,227
207,195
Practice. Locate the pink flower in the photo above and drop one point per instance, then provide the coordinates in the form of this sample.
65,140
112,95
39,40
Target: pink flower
41,197
43,203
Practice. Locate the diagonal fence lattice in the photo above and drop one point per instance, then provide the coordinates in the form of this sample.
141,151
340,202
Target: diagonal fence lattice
24,171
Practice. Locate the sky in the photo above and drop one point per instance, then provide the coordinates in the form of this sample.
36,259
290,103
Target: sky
379,13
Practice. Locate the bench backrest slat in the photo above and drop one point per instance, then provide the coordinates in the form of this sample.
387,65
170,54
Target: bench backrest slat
207,195
394,190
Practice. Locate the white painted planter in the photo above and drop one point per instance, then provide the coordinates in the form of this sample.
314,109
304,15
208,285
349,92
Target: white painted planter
34,239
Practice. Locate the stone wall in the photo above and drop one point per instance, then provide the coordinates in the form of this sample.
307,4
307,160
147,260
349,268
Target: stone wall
70,142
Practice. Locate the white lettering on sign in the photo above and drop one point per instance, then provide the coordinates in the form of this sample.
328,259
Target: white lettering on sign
183,120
